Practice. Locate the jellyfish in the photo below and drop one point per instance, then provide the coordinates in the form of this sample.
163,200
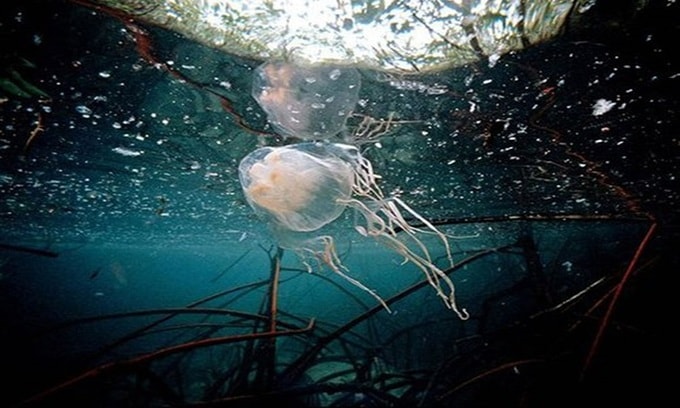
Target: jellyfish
310,103
298,189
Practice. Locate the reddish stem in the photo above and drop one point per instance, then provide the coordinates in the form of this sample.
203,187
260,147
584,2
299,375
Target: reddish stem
618,290
146,358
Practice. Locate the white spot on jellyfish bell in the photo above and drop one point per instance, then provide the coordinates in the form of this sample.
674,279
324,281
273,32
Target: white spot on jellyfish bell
311,103
298,189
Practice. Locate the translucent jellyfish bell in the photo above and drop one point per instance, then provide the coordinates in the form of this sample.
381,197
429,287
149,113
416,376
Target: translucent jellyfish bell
310,103
300,188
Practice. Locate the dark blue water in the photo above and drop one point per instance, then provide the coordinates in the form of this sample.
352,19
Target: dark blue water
128,248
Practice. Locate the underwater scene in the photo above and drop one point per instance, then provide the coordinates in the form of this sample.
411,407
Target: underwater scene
212,203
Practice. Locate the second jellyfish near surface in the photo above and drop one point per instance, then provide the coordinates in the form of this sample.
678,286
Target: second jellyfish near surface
310,103
297,189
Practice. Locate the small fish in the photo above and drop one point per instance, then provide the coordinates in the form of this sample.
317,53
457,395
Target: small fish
95,273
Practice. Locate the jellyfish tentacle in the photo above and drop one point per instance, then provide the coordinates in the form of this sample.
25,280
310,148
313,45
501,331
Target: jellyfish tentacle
429,225
375,225
301,188
366,184
386,228
386,232
432,273
395,217
329,256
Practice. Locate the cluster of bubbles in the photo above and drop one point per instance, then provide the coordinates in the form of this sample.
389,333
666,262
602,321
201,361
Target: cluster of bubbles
299,188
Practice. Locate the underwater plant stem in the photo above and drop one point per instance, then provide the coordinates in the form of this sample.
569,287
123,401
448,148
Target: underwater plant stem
171,312
534,267
502,367
592,167
269,349
38,129
144,329
274,289
144,47
299,366
231,265
29,250
125,365
569,300
617,292
541,217
602,298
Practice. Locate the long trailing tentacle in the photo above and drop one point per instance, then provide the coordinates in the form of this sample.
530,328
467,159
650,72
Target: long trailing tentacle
384,222
433,274
329,257
429,225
